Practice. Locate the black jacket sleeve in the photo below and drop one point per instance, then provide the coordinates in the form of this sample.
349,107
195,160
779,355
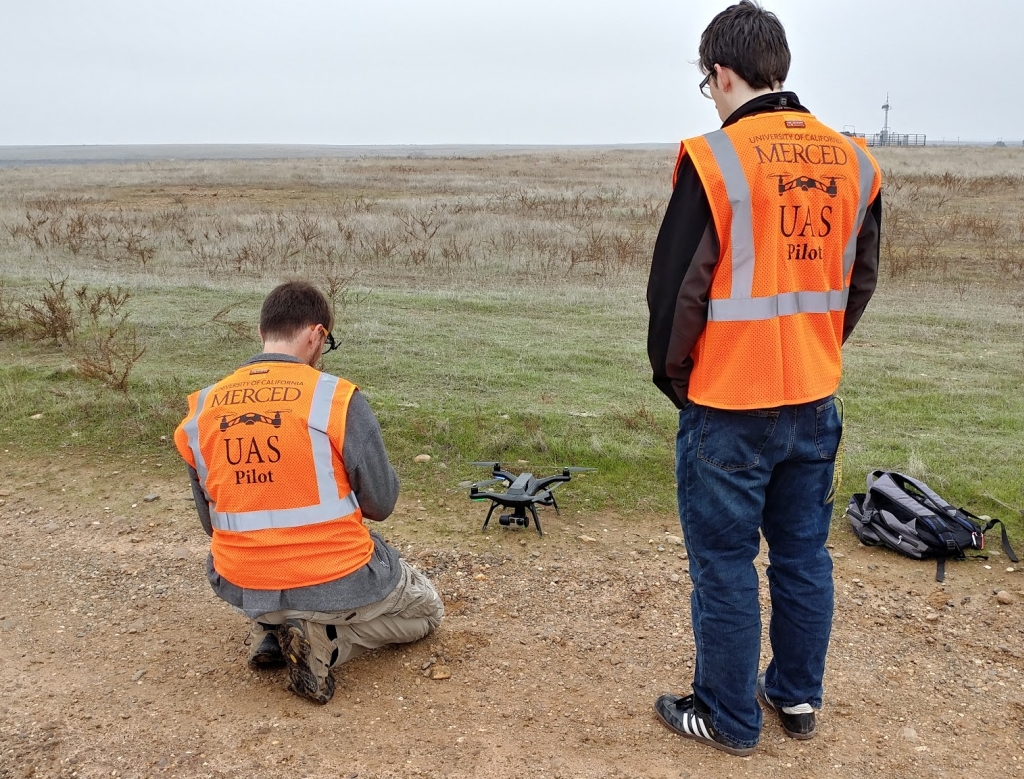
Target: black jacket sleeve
865,266
685,255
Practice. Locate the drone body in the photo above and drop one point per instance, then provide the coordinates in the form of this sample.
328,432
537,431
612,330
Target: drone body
523,493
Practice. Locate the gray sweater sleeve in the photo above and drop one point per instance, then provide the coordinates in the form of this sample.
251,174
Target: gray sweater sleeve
370,474
202,504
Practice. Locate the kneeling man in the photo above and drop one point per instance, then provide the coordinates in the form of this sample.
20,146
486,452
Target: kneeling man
285,462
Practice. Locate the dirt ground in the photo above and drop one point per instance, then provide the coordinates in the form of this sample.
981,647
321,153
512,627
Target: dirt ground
119,661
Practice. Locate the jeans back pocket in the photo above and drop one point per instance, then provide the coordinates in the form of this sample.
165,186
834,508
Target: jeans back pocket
733,440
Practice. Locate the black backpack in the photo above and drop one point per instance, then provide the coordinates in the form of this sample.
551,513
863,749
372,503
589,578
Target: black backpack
906,515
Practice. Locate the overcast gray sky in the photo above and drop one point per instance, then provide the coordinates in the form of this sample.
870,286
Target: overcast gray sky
476,71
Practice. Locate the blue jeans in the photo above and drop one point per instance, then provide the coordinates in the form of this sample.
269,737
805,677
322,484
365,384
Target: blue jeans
740,472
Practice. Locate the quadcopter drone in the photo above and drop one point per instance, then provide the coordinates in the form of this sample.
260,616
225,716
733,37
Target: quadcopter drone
522,493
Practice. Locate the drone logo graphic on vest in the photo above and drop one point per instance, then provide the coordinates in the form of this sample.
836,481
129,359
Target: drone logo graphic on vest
250,420
807,183
523,492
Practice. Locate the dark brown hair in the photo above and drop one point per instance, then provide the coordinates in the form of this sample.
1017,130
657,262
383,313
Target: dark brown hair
292,306
751,41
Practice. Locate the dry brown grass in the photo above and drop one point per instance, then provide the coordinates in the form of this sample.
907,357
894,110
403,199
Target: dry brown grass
377,222
573,217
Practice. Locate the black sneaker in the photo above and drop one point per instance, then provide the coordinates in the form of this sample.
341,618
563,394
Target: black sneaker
309,672
265,650
689,718
798,721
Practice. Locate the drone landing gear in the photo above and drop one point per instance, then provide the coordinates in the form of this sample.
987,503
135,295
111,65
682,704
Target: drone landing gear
517,517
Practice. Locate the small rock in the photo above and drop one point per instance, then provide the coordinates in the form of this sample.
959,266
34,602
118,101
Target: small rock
51,527
932,617
421,458
440,672
480,577
838,555
138,675
587,539
151,497
5,493
441,502
908,733
674,577
674,540
181,553
1004,597
36,416
28,565
7,624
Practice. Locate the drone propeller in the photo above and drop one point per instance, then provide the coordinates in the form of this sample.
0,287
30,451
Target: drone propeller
576,469
488,464
485,483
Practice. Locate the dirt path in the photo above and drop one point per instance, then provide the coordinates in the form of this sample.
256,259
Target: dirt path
120,662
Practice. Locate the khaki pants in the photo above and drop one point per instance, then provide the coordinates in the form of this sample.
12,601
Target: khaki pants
411,611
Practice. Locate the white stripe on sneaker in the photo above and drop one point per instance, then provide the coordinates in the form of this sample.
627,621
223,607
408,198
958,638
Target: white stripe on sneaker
703,728
693,725
803,708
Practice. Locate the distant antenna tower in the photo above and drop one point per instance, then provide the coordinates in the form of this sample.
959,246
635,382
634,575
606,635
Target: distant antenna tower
885,126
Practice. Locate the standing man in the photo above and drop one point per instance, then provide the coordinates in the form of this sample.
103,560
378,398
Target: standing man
286,462
765,262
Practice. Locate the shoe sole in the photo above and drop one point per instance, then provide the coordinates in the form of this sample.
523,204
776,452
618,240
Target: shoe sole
302,681
737,751
266,660
763,700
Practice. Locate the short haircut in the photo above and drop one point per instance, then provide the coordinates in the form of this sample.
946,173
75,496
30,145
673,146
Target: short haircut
292,306
749,40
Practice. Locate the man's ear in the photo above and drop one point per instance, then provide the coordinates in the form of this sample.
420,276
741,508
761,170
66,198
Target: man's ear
725,78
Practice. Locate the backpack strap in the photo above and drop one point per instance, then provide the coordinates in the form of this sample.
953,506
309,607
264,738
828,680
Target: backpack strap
1006,541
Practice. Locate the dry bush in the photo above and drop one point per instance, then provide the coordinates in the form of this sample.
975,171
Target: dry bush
93,321
54,316
109,352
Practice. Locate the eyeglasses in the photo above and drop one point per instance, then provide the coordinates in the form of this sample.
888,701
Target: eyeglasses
705,85
329,343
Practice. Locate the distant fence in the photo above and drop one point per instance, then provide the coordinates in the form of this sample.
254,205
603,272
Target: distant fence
896,139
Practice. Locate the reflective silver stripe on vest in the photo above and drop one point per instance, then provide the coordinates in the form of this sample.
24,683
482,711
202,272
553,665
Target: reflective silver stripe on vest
331,506
783,304
741,306
282,518
867,182
191,428
742,230
319,417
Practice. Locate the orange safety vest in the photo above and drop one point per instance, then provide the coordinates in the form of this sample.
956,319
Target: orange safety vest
267,444
788,196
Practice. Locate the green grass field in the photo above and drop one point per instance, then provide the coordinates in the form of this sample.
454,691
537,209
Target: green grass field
472,360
